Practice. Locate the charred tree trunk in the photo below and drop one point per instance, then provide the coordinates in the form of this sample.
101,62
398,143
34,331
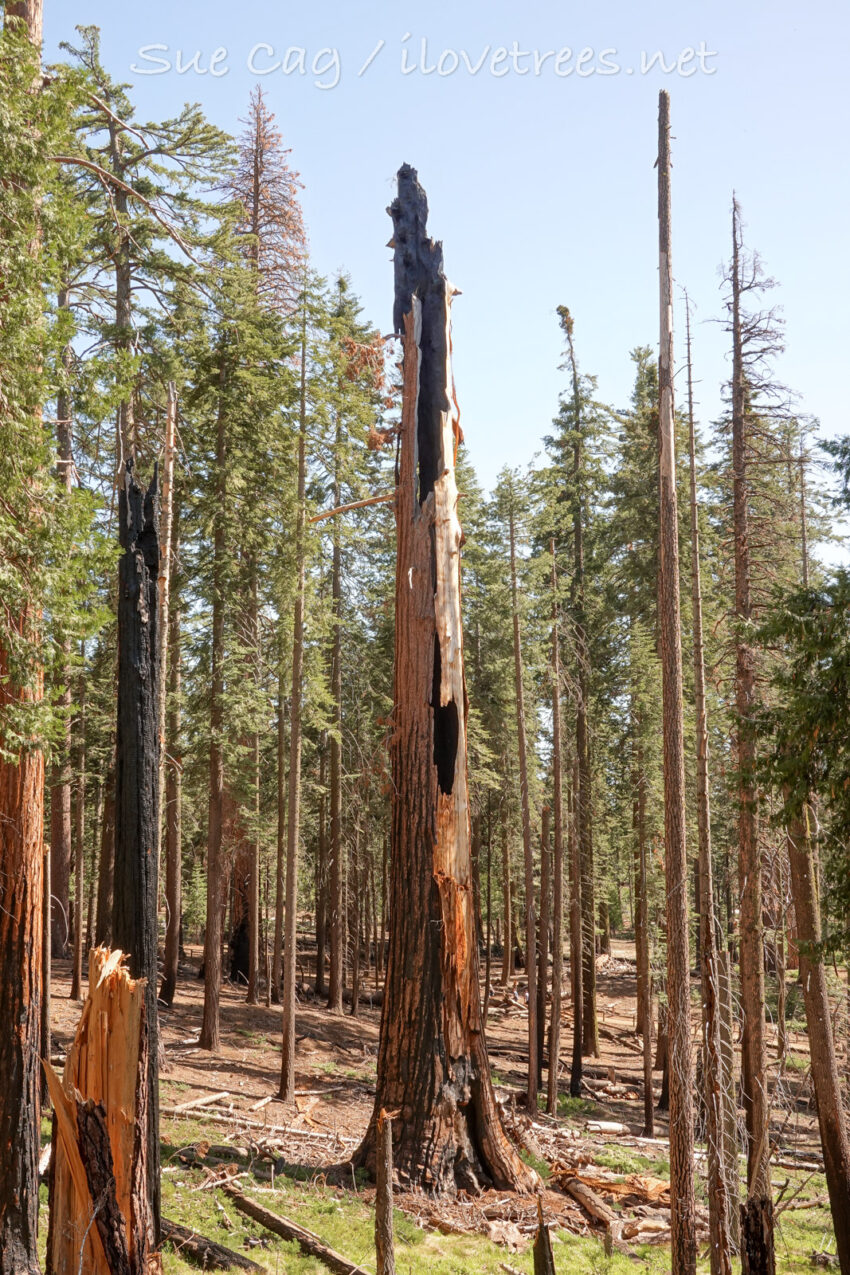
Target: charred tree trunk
293,829
432,1062
137,778
683,1201
759,1210
527,849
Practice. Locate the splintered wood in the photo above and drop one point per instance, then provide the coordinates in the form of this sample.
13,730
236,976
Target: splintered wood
100,1219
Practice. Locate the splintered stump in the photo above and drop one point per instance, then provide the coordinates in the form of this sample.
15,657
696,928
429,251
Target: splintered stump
432,1062
100,1215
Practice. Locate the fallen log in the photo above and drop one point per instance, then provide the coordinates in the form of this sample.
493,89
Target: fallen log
306,1240
597,1209
204,1101
209,1255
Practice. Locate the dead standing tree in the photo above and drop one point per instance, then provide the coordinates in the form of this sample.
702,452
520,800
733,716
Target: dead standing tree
432,1062
134,927
682,1214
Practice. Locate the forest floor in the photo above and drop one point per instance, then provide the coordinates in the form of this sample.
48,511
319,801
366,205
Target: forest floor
221,1120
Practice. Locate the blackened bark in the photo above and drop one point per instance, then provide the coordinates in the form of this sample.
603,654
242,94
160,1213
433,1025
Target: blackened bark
137,776
432,1063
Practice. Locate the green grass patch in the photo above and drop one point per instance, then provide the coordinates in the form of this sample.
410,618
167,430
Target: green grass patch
624,1160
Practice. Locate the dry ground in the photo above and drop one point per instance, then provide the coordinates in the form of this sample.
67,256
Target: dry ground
335,1078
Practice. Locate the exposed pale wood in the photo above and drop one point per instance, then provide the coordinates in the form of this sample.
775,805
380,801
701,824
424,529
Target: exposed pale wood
99,1141
354,504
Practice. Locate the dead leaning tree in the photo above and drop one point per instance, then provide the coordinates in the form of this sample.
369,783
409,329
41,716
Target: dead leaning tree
432,1062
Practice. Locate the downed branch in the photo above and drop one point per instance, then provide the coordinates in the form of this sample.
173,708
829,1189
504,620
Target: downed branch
306,1240
209,1255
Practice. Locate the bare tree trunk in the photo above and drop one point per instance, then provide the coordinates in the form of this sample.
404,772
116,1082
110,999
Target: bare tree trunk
543,938
293,828
507,937
173,790
729,1096
137,780
528,851
106,865
79,842
757,1215
488,959
336,901
210,1035
720,1196
584,794
432,1061
356,919
252,996
384,1245
644,972
683,1201
166,572
824,1062
558,859
779,938
322,877
576,942
280,863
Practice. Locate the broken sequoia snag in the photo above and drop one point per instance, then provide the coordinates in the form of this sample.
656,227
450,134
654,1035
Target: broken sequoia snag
432,1062
101,1220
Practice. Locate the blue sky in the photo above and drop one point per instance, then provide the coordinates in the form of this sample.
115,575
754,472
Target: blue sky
541,185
